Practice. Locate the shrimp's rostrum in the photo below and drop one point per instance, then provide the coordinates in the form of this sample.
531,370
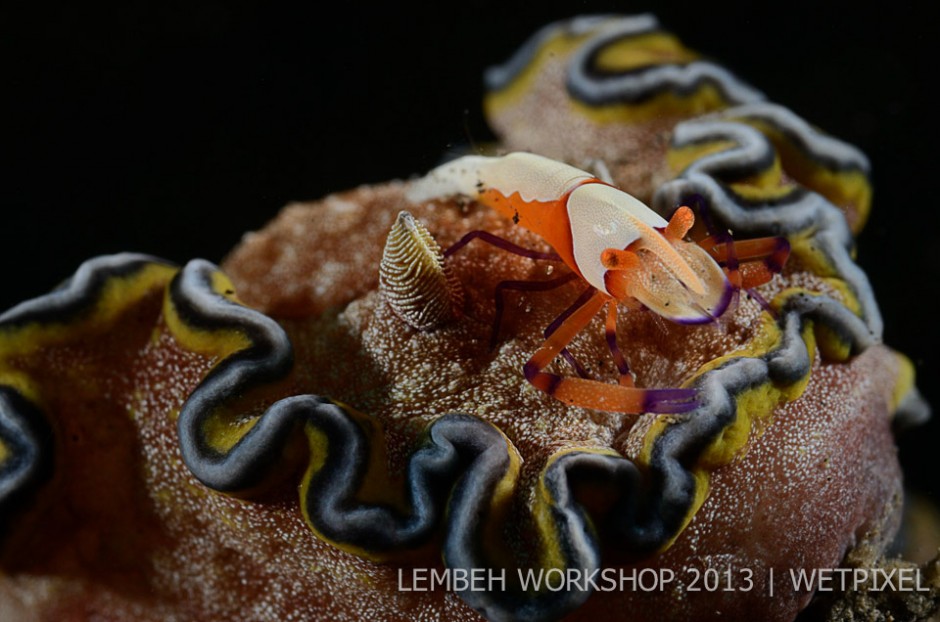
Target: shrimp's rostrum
620,248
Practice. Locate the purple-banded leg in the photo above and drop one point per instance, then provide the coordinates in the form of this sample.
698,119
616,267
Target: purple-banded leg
748,263
565,353
500,243
610,331
503,286
588,393
522,286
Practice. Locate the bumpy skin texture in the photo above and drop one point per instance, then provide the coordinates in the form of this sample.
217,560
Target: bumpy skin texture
155,420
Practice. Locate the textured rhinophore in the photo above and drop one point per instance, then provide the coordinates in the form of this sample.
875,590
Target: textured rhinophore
413,277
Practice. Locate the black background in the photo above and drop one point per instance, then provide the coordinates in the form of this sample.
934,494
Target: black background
172,128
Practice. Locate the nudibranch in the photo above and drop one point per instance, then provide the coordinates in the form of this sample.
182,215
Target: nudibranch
157,420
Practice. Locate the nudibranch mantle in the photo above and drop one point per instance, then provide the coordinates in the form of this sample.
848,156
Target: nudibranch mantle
413,446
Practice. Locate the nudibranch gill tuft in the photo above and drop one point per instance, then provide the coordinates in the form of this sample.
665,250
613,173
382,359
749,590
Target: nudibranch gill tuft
157,421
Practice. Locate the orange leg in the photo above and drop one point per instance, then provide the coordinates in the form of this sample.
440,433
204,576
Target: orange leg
522,286
748,263
578,368
588,393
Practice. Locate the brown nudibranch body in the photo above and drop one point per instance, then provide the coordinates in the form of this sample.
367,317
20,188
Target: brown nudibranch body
155,420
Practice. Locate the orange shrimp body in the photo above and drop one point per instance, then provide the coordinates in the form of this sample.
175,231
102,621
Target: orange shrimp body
614,243
582,217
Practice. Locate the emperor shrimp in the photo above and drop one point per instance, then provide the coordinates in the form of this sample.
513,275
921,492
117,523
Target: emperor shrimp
623,250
